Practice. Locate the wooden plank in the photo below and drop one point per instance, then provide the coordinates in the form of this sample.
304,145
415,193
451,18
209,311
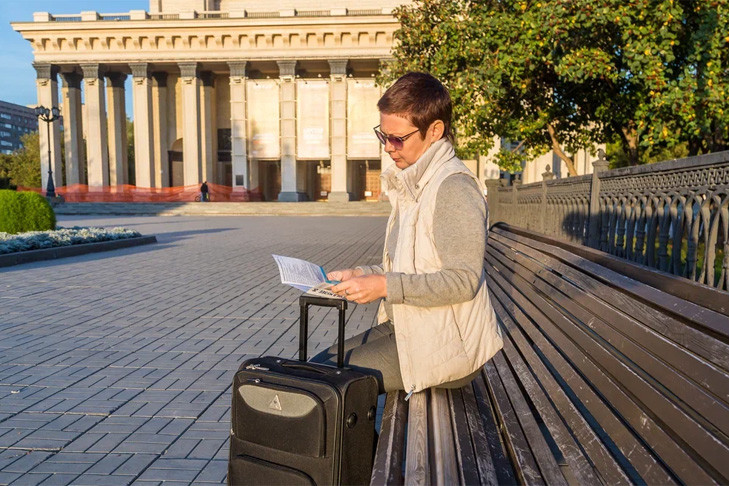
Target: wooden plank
505,473
536,380
516,443
387,467
702,316
641,458
465,455
672,328
540,449
585,354
417,468
484,462
683,288
443,466
633,340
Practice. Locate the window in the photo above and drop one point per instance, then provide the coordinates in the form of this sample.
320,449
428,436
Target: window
5,143
6,116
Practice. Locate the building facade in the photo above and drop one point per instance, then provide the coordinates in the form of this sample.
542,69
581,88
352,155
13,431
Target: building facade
266,96
271,97
15,121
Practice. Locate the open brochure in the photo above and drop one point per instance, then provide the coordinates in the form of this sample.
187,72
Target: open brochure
306,276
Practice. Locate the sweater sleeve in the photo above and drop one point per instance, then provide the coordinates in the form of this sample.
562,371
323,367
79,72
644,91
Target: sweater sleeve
459,231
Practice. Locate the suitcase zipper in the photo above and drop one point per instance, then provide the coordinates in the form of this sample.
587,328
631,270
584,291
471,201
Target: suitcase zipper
255,366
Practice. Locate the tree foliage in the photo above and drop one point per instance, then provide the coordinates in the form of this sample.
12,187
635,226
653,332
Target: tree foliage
22,167
559,75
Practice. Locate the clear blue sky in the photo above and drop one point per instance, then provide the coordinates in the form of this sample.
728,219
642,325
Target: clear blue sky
17,79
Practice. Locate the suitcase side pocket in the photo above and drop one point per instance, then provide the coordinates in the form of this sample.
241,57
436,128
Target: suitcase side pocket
280,417
258,471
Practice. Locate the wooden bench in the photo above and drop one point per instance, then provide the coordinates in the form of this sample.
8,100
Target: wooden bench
604,378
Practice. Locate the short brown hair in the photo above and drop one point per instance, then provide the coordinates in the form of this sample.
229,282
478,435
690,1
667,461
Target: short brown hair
422,98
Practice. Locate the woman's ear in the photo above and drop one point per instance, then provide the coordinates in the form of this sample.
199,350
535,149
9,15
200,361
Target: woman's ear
437,128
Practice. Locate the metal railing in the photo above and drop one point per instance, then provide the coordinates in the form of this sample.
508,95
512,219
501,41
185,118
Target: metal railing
672,215
116,17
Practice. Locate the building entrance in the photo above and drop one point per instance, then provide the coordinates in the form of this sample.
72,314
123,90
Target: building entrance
269,174
177,169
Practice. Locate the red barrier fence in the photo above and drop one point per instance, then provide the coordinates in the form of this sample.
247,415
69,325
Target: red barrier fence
127,193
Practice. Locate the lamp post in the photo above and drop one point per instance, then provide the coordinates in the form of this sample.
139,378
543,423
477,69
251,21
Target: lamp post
48,116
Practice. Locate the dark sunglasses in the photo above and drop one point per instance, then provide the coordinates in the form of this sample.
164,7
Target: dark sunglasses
396,142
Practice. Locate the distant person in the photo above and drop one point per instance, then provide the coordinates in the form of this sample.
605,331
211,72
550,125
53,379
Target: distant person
204,195
436,326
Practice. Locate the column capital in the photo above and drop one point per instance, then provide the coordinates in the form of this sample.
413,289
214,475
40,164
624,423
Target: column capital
188,69
45,71
71,80
92,73
207,78
338,69
286,69
139,69
237,68
116,79
160,79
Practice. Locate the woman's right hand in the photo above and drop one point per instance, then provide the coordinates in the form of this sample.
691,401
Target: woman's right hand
344,274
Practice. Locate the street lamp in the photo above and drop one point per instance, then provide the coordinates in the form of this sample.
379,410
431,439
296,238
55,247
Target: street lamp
48,116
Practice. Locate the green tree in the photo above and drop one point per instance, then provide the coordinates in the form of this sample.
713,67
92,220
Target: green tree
22,167
566,75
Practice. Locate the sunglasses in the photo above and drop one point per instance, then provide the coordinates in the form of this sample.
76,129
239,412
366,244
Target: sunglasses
396,142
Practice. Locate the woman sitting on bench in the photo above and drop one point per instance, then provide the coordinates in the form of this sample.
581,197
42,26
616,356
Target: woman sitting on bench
436,327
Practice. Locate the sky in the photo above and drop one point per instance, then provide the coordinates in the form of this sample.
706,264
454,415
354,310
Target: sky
17,78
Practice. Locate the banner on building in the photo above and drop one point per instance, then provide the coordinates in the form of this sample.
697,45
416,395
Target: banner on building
312,115
362,116
263,119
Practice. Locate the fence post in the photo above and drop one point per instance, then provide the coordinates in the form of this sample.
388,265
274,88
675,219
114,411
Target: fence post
547,175
600,165
492,199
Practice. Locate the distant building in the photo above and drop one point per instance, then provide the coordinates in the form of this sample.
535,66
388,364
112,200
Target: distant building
15,121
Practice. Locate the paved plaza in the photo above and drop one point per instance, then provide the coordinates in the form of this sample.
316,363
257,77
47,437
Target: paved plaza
115,368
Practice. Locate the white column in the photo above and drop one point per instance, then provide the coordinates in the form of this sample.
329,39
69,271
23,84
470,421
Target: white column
73,136
289,178
338,144
143,149
96,138
117,128
238,126
47,86
190,122
159,130
207,125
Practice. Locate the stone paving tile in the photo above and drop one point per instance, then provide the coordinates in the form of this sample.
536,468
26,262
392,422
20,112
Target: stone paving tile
128,380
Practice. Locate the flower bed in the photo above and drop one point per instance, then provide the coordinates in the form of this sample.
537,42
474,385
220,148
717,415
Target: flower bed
35,240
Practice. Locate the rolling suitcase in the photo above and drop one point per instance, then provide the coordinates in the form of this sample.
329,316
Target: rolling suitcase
295,422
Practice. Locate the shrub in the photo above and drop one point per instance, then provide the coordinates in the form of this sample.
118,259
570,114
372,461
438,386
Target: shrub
25,211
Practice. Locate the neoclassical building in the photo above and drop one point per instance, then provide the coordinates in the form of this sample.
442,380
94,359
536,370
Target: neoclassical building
275,96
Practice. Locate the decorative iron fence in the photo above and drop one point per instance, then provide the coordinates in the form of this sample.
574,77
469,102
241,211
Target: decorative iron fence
672,216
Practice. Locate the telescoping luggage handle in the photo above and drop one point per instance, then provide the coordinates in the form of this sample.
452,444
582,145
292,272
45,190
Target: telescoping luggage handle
304,302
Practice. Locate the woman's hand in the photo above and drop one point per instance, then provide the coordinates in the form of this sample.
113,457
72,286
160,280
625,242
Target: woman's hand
344,274
362,289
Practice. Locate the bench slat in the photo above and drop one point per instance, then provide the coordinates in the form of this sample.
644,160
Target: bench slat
387,468
468,467
479,442
516,442
669,304
612,382
624,333
502,466
542,453
417,468
641,459
680,287
442,449
565,410
669,327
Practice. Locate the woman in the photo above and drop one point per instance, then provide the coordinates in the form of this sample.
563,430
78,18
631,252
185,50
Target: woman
436,325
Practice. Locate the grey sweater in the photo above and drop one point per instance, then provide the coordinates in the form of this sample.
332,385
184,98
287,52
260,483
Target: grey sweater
459,227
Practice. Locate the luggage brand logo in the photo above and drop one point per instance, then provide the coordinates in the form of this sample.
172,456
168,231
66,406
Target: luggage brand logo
275,403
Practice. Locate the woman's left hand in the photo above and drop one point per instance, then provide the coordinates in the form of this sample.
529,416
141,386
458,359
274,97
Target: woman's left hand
362,290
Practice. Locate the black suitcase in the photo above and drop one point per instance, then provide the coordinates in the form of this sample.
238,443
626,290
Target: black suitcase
295,422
